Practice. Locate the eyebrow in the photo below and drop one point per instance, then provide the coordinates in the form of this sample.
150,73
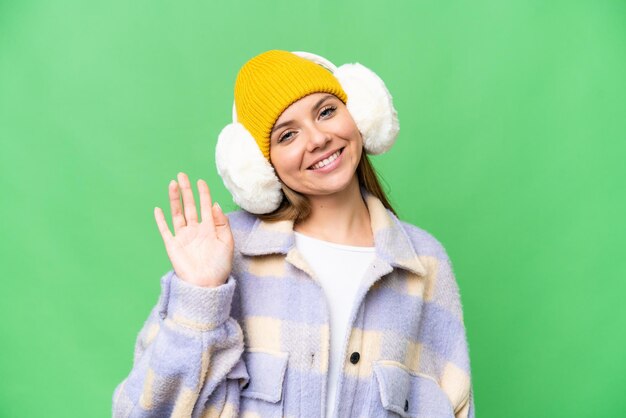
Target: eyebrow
317,105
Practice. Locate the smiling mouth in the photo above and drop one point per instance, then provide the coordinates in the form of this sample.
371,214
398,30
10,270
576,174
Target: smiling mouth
326,161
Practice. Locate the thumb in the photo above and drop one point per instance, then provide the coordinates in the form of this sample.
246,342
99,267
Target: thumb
222,226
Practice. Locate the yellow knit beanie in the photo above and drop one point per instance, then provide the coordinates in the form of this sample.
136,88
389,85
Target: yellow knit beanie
270,82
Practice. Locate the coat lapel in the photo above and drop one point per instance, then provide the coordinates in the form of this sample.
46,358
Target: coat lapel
392,243
393,247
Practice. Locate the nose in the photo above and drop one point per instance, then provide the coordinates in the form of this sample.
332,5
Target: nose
318,138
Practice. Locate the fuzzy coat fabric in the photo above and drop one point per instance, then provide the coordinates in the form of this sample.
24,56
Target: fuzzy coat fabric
257,346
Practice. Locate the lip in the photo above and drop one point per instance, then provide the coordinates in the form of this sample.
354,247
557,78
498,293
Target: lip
323,157
330,167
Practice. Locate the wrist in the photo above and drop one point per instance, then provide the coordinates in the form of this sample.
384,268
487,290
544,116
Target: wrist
207,282
206,279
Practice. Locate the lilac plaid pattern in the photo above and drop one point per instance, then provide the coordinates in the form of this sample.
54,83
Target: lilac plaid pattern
258,346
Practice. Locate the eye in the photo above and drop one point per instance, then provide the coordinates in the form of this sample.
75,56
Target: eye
328,111
284,136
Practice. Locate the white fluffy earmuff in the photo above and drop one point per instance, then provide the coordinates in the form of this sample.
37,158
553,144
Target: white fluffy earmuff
251,179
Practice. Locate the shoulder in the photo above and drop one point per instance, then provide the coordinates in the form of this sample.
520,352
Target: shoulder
424,242
241,224
241,220
435,259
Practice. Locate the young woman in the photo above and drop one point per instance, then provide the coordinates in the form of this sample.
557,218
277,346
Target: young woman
314,300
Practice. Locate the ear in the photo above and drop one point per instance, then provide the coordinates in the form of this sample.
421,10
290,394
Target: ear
247,175
371,106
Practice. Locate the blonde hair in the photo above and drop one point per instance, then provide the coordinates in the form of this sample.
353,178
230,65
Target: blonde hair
296,207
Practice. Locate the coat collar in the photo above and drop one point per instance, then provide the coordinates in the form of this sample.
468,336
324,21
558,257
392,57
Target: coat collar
390,239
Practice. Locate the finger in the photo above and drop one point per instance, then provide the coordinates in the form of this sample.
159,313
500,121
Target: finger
222,226
205,204
178,220
166,234
188,201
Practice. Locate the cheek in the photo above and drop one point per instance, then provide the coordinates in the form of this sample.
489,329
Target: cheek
346,128
286,162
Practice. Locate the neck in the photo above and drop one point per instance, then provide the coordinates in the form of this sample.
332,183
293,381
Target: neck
341,218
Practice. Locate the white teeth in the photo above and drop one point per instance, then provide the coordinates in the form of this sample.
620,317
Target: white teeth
326,161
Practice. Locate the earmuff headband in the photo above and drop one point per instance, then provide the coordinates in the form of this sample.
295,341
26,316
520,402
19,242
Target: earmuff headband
249,176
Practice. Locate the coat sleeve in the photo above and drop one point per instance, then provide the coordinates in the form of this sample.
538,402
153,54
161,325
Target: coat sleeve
188,355
451,333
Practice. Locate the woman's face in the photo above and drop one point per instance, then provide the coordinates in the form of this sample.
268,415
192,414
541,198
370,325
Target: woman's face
315,146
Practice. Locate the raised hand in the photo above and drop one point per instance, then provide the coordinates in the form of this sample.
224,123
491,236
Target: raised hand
201,252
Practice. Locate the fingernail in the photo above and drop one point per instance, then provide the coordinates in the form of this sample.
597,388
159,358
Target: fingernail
218,206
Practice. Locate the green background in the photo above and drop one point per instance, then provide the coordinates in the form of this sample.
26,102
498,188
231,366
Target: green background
511,153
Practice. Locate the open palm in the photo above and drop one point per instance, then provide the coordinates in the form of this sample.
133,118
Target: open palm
201,252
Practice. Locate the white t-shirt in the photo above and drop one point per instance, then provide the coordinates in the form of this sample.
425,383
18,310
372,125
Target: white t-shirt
339,269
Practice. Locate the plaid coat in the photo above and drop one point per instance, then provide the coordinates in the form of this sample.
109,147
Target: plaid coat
258,345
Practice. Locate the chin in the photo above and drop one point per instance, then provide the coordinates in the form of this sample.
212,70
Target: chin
328,188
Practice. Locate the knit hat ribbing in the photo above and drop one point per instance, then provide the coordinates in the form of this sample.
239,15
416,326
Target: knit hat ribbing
270,82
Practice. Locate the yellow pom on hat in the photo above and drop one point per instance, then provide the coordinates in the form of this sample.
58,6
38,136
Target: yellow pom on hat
270,82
